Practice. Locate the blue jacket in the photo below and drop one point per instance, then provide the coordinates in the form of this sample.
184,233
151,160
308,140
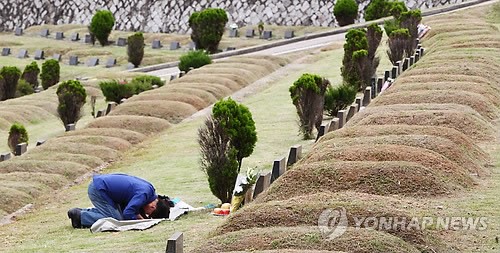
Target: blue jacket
131,193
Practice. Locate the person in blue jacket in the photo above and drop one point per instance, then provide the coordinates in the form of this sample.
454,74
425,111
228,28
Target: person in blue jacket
122,197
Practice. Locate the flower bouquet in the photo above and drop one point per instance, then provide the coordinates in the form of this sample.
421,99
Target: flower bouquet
243,184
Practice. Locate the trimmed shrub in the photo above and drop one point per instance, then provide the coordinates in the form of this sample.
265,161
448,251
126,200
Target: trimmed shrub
101,25
397,8
30,74
115,91
351,69
410,21
378,9
24,88
71,95
399,43
153,80
139,86
194,60
338,98
50,73
135,48
207,28
390,25
307,95
11,76
345,11
17,134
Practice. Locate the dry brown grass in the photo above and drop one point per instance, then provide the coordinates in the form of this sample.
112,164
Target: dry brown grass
206,96
67,169
217,90
13,199
53,146
231,82
191,99
130,136
394,177
460,119
305,238
115,143
456,69
141,124
88,160
462,141
232,69
476,101
172,111
439,145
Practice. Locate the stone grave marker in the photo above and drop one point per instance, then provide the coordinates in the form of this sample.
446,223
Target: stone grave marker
334,124
417,56
387,74
73,60
322,130
289,34
5,157
191,46
87,39
421,53
294,155
406,63
57,57
353,109
5,51
156,44
110,107
21,148
59,35
367,96
75,37
267,35
373,84
18,31
412,60
111,62
380,83
279,167
40,142
359,102
92,62
230,48
100,113
70,127
399,64
121,42
233,33
174,45
263,182
23,53
250,33
175,243
394,72
123,100
342,116
39,54
419,46
44,33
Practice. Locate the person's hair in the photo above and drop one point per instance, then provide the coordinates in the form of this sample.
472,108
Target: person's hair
163,206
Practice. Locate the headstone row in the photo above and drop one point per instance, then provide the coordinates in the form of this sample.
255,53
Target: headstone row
250,33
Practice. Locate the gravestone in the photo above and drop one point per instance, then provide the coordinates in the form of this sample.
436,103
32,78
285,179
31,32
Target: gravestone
380,83
40,142
110,107
59,35
21,148
121,42
173,77
5,51
18,31
417,41
359,102
44,33
341,115
353,109
279,167
250,33
263,182
123,100
419,46
367,96
289,34
412,60
130,65
417,56
92,62
394,72
191,46
111,62
75,37
174,45
267,35
70,127
57,57
175,243
87,39
100,113
294,155
387,74
39,54
373,84
73,60
421,53
156,44
230,48
182,73
22,54
399,64
233,33
334,124
5,157
406,63
322,130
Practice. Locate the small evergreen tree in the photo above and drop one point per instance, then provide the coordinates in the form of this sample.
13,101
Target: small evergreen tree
207,28
50,73
30,74
399,43
71,95
378,9
24,88
345,11
194,60
355,40
338,98
17,135
307,95
101,25
135,48
11,76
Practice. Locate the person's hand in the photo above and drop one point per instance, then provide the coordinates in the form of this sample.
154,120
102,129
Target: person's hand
139,217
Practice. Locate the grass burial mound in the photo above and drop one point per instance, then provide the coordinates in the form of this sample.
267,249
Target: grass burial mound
128,135
140,124
307,238
172,111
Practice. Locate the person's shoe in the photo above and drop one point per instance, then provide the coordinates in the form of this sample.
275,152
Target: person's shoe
75,215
